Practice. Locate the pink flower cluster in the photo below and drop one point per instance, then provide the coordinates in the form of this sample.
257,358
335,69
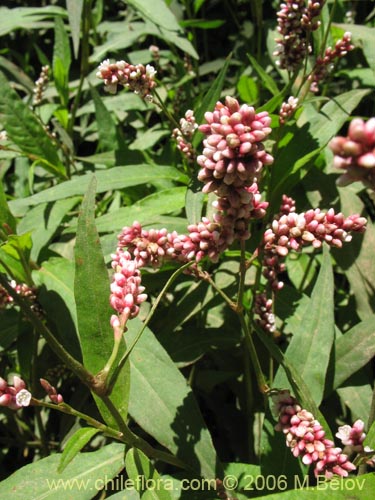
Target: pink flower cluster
293,231
233,153
126,290
24,291
14,396
40,85
352,436
294,20
263,308
323,64
287,109
306,438
356,153
138,78
184,134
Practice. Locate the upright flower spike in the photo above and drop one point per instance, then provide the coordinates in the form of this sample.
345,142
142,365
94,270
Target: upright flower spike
126,290
306,438
233,153
355,154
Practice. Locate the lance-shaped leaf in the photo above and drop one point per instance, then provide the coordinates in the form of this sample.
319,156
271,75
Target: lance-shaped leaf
92,290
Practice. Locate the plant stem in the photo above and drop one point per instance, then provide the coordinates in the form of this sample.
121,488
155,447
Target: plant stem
242,272
133,440
262,385
76,367
163,107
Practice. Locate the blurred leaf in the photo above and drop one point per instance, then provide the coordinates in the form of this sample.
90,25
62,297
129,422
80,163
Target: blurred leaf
61,61
15,255
27,18
311,345
26,131
370,437
114,178
106,124
6,216
248,89
194,205
9,327
157,12
74,445
301,269
43,221
84,477
267,80
164,406
16,72
74,8
139,466
353,350
202,23
93,309
357,396
149,138
356,258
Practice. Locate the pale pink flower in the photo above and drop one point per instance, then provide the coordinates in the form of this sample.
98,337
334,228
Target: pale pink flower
14,396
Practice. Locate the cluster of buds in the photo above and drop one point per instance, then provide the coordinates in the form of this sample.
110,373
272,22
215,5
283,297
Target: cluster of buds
233,153
306,438
263,308
24,291
51,391
40,85
293,231
287,109
155,52
324,64
3,135
295,20
184,134
356,153
126,290
14,396
138,78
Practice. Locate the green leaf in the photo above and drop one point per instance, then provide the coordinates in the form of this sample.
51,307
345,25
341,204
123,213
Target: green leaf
75,444
248,89
357,258
370,437
27,18
353,350
6,216
149,138
157,12
311,345
43,221
55,280
26,131
9,328
74,8
61,61
145,210
85,476
92,291
106,124
194,205
15,256
164,406
267,80
139,466
114,178
357,395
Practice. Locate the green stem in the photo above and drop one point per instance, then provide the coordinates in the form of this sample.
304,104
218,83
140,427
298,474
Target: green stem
262,385
146,322
76,367
241,284
68,410
206,277
163,107
133,440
